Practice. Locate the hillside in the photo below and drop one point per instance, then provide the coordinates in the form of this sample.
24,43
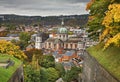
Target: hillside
79,20
109,58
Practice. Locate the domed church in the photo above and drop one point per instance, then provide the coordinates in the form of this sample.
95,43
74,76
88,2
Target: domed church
62,33
61,41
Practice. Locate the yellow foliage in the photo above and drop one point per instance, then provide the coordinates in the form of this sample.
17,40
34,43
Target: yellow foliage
105,32
7,47
115,40
112,28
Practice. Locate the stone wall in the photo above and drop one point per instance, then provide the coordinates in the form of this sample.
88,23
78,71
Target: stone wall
94,72
17,76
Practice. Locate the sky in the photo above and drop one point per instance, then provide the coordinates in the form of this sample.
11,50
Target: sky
43,7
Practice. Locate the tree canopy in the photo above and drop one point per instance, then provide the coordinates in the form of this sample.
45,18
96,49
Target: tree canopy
47,61
11,49
112,26
72,74
104,21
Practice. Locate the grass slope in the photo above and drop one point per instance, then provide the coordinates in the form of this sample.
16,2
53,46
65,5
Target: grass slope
109,58
5,74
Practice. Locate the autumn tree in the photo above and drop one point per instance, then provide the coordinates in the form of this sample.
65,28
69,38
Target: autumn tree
104,17
11,49
111,33
96,9
36,52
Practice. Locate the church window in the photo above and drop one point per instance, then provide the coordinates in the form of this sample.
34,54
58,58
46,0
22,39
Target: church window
66,45
49,45
71,46
75,45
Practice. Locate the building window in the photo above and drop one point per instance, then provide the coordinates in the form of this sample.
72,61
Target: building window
60,36
49,45
66,45
71,46
75,45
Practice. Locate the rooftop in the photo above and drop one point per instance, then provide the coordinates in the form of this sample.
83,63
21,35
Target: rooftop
69,53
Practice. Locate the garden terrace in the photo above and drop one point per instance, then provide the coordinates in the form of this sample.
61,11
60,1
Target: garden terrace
8,65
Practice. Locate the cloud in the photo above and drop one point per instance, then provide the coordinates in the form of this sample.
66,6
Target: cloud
43,7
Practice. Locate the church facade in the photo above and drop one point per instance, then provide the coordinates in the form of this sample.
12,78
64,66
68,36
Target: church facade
60,40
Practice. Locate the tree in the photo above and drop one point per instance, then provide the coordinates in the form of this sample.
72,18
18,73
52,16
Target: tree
105,18
97,9
37,52
10,26
31,75
24,38
59,67
11,49
52,74
43,75
35,64
49,74
111,22
72,74
47,61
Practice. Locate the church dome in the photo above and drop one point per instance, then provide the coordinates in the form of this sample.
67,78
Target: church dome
62,30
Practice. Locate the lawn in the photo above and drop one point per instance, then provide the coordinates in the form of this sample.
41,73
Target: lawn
5,74
109,58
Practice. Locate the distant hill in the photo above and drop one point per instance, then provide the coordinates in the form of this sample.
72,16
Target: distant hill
79,20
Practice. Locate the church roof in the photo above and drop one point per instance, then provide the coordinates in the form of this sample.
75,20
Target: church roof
62,30
69,53
58,41
54,40
40,34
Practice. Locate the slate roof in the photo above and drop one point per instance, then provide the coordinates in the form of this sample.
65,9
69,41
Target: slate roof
12,35
69,53
54,40
9,38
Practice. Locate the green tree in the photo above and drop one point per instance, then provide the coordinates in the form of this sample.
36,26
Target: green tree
24,38
47,61
72,74
31,75
52,74
10,26
35,64
59,67
44,76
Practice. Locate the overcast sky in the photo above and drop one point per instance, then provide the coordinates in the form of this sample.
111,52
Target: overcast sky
43,7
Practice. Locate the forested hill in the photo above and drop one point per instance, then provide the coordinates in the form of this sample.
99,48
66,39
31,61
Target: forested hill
79,20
